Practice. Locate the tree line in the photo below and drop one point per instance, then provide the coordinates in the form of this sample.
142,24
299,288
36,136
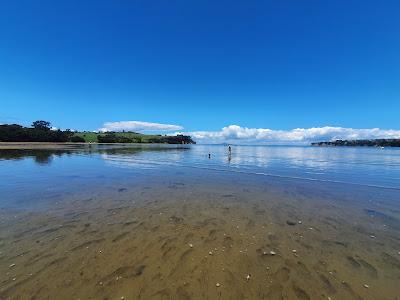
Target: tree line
112,137
365,143
41,131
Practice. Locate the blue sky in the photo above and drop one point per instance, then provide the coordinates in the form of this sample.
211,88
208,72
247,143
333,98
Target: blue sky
202,65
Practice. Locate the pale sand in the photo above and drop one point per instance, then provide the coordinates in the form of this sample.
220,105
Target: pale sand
153,241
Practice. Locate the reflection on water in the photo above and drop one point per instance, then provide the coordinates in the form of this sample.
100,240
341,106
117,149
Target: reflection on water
41,157
370,166
45,156
167,222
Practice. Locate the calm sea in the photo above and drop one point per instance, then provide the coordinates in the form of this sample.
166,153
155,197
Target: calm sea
172,222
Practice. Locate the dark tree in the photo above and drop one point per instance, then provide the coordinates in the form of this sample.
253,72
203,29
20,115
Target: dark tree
365,143
77,139
39,133
111,137
107,138
41,125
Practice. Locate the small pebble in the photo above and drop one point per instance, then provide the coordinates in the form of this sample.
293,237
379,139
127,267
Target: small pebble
300,222
218,284
209,253
372,236
191,245
12,265
272,252
294,251
248,277
366,286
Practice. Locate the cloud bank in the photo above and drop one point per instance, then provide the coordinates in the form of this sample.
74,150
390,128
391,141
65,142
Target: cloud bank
242,135
138,126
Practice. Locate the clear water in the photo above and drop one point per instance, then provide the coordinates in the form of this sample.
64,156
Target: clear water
29,169
76,219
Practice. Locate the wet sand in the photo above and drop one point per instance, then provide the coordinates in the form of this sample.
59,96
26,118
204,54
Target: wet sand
204,236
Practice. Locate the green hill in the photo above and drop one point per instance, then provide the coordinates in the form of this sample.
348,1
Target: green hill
131,137
41,132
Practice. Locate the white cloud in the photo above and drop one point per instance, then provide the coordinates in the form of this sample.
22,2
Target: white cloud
138,126
243,135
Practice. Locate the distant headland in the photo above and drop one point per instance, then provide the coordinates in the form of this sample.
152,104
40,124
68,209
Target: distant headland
41,131
364,143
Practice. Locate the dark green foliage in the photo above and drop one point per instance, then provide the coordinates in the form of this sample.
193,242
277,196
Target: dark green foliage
173,139
42,125
77,139
368,143
124,139
113,138
13,133
107,138
39,133
179,139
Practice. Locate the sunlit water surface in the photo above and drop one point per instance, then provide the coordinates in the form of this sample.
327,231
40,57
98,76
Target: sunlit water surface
168,222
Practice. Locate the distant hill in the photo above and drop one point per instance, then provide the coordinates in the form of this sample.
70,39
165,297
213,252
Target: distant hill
364,143
41,132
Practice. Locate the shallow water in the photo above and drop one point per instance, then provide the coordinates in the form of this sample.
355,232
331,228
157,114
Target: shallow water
161,222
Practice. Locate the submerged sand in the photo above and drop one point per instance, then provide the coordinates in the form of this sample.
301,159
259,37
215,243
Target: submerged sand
204,236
